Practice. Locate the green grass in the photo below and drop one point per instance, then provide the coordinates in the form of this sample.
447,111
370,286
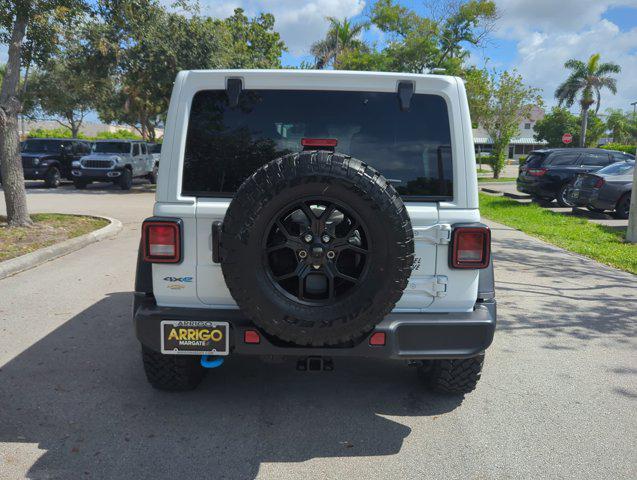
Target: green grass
497,180
47,229
483,170
601,243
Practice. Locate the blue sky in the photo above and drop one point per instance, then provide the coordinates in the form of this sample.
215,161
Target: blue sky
535,37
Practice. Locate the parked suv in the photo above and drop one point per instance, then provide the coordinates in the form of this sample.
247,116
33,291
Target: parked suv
50,159
316,215
547,174
116,161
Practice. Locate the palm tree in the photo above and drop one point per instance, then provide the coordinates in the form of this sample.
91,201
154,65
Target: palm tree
588,79
341,36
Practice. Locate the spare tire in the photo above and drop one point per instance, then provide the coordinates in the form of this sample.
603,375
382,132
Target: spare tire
316,248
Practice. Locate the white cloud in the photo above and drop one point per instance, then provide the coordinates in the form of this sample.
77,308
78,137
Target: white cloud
300,23
548,33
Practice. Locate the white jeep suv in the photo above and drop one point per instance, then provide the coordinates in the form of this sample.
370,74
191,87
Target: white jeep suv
319,215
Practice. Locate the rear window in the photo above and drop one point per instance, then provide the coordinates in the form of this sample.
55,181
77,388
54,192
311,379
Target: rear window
535,160
226,144
621,168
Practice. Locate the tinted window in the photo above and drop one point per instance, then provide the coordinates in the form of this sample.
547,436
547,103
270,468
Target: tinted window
594,159
111,147
43,146
564,158
226,144
143,146
621,168
156,148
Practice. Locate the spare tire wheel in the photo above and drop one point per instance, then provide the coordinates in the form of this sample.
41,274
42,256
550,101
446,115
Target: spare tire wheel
316,248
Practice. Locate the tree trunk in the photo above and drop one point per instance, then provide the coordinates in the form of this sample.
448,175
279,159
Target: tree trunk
11,171
582,138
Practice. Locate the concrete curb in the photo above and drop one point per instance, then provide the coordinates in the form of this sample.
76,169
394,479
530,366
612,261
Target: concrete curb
43,255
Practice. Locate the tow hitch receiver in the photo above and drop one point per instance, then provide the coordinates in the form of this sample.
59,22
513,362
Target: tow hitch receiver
315,364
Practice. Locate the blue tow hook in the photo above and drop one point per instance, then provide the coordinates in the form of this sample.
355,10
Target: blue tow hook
208,361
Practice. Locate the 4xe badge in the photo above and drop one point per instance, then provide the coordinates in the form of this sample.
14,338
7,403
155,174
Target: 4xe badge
177,283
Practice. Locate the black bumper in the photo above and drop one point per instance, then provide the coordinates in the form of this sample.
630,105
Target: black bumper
97,174
409,336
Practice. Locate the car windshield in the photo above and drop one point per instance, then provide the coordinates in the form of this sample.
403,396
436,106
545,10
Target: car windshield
226,143
155,148
619,168
42,146
111,147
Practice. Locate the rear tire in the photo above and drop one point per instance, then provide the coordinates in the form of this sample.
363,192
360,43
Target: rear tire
622,209
457,376
562,196
126,180
172,372
53,177
152,176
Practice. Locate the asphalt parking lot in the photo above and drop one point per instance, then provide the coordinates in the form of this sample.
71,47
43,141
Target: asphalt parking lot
557,398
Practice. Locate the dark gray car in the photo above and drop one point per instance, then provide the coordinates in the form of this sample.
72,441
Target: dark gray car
607,189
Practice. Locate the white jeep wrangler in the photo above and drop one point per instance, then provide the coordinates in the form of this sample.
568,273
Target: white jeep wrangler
116,161
319,215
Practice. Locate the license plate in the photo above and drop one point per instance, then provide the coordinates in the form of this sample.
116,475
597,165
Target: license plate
181,337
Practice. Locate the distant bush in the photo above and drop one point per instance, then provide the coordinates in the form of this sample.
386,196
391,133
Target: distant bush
120,134
620,147
63,132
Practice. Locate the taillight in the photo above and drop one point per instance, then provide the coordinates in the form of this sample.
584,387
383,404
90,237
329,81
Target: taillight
470,247
161,241
319,142
599,183
536,172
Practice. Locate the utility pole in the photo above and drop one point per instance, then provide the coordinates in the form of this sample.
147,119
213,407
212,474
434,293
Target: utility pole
631,232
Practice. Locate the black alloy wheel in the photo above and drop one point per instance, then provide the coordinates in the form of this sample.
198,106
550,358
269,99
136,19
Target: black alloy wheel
316,251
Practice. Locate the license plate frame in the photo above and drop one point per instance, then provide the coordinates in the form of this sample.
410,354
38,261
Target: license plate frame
207,342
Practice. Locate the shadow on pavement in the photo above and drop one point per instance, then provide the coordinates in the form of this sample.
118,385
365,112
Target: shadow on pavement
96,188
80,395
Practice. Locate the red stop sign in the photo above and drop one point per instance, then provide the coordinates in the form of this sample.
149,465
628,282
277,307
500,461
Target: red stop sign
567,138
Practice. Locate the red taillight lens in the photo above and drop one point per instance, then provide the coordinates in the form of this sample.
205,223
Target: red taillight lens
536,172
599,183
252,337
377,339
161,241
319,142
470,247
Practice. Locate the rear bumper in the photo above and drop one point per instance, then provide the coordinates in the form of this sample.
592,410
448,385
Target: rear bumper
535,189
409,336
590,198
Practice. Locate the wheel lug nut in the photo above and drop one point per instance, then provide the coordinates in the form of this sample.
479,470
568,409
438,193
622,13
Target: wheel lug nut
325,238
302,254
331,254
308,238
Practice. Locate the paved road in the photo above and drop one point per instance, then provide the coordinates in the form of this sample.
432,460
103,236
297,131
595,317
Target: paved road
557,400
